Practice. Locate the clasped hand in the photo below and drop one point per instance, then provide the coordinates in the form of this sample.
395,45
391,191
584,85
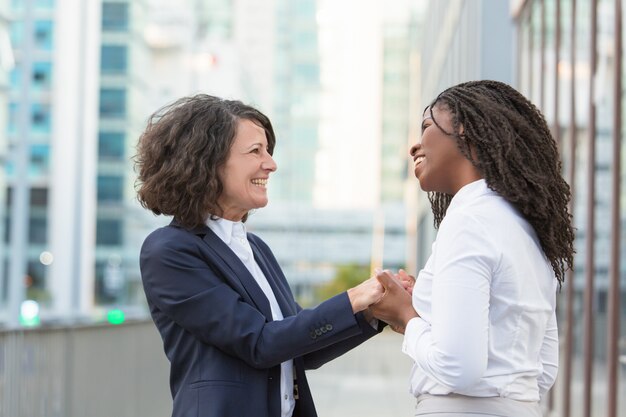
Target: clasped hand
387,297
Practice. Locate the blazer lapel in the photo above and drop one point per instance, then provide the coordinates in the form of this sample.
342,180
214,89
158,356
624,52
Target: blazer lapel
236,272
283,295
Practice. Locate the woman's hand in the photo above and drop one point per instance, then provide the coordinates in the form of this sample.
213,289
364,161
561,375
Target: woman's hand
365,294
395,307
407,281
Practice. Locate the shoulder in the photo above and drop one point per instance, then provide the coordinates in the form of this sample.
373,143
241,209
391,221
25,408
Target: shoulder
475,227
169,238
486,212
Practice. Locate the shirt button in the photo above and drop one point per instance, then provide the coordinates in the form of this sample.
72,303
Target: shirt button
286,396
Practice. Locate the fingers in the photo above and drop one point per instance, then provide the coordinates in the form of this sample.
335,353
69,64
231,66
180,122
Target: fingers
388,281
406,280
403,276
385,279
365,294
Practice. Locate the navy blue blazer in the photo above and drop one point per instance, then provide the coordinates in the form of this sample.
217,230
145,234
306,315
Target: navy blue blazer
216,324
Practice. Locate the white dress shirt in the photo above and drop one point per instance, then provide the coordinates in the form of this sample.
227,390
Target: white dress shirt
486,299
234,235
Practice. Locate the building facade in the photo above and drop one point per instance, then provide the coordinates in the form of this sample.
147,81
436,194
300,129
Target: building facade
570,63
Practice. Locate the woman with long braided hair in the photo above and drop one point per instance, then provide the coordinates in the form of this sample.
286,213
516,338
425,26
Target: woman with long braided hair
480,325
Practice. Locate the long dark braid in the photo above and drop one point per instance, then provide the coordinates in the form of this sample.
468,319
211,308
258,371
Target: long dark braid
518,157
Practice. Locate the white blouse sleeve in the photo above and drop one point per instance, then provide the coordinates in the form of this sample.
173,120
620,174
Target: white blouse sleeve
549,357
452,349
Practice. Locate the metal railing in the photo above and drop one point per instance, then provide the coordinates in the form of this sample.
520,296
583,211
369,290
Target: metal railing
80,371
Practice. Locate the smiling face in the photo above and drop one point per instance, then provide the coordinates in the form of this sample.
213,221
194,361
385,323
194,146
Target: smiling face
439,164
246,172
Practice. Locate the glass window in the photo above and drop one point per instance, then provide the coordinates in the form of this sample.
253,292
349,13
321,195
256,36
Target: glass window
115,17
44,4
38,197
113,59
40,157
40,118
39,4
111,145
42,74
110,188
108,232
43,34
112,103
36,282
37,230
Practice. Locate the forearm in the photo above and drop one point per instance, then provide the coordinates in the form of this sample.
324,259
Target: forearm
451,348
318,358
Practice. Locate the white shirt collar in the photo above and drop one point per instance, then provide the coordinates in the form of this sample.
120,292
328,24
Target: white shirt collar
468,193
224,228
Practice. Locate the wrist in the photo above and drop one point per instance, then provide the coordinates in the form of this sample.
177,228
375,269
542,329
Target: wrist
367,315
353,296
410,314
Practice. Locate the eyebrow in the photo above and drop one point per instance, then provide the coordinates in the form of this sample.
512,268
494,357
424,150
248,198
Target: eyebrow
252,145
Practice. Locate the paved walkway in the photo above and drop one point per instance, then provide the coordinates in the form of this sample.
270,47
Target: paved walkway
370,381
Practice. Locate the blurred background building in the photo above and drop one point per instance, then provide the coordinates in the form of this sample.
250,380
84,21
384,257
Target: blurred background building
344,83
87,76
571,65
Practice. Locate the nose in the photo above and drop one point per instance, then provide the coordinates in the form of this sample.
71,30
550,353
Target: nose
414,149
269,164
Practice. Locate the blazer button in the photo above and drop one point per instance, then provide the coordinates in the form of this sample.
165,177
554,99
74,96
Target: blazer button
329,327
313,335
318,332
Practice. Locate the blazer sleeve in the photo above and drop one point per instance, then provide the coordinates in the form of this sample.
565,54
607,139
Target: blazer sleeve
179,280
318,358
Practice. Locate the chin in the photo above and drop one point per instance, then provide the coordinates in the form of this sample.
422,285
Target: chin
424,187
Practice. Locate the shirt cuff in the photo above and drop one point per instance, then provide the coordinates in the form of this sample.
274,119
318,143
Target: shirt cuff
415,328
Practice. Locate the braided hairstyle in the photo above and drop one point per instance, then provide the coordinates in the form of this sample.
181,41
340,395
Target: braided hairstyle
508,140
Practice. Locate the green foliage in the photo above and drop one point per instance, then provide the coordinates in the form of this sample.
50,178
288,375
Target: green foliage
41,295
347,276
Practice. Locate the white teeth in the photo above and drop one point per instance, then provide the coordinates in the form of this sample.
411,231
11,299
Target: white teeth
259,182
419,159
